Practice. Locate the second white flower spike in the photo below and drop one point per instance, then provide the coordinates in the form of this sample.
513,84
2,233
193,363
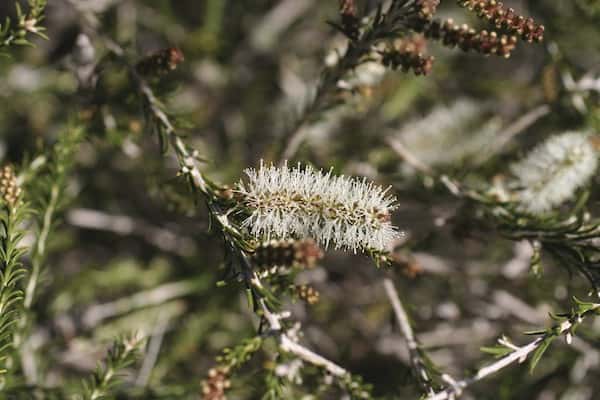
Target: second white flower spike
554,170
337,211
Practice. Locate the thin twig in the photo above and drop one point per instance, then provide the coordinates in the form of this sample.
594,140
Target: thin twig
290,346
154,345
164,239
409,157
512,130
416,360
95,314
40,246
520,355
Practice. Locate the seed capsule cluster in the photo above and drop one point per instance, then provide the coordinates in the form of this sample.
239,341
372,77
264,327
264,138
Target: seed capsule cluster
308,294
506,18
409,54
287,253
9,188
427,8
467,38
216,384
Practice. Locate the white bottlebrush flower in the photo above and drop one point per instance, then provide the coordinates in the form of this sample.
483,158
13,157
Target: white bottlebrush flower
553,171
449,135
343,212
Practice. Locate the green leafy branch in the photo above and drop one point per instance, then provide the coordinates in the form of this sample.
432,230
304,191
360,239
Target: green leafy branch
122,354
509,353
573,238
221,204
49,188
26,23
236,356
362,37
12,216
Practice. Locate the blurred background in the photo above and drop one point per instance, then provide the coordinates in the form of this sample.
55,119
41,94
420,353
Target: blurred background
133,250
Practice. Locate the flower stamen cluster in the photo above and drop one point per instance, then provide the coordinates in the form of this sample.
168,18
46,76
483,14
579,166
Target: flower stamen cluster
553,171
345,213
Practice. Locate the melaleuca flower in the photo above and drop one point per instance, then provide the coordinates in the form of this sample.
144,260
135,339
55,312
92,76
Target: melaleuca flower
449,135
553,171
338,211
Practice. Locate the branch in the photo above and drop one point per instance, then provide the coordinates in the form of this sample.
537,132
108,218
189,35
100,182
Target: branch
290,346
95,314
519,354
416,360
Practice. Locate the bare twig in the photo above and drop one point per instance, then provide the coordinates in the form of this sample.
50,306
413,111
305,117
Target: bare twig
512,130
162,238
154,345
95,314
416,360
290,346
409,157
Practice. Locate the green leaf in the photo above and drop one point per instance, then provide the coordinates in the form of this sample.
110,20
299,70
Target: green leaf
497,351
536,333
539,352
583,307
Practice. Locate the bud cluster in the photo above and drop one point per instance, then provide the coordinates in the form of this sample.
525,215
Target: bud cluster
9,187
427,8
467,38
287,253
553,171
408,54
308,294
511,25
216,384
506,18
